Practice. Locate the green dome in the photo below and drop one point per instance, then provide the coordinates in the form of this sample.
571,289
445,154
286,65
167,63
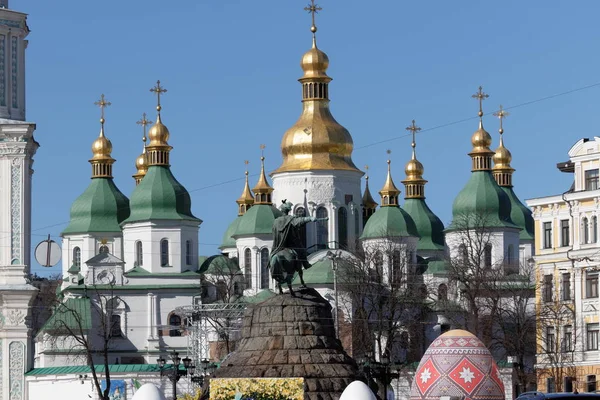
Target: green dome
520,214
429,226
389,222
257,220
228,241
481,203
219,265
160,196
100,208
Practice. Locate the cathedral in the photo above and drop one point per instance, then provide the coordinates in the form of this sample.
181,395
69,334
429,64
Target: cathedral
131,267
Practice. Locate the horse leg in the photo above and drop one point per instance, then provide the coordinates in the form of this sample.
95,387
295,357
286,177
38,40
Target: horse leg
279,287
301,275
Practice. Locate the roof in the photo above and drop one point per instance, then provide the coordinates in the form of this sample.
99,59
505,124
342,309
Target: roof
100,208
389,222
429,226
219,265
81,369
257,220
74,313
190,285
520,214
160,196
138,271
481,203
105,258
229,241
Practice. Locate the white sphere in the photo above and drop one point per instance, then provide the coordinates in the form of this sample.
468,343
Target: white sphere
357,390
148,391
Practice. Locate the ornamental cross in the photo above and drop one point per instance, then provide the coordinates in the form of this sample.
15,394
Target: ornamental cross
262,151
158,90
313,9
480,96
102,103
501,114
413,129
143,122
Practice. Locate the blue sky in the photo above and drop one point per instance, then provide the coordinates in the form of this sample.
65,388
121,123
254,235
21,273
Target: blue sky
231,70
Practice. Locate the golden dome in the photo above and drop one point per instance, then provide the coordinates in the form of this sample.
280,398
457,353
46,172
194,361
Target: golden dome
262,190
414,169
481,139
314,63
389,193
246,196
141,163
158,134
102,147
367,198
502,157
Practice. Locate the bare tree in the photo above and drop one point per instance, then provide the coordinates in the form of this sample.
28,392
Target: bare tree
45,299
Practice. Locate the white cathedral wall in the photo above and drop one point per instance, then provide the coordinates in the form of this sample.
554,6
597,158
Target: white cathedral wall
89,245
500,239
328,189
255,244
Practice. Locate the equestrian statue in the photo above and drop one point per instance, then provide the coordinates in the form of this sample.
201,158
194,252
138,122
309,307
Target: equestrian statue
289,254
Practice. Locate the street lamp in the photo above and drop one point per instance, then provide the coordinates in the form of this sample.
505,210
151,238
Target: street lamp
172,371
206,369
334,256
383,370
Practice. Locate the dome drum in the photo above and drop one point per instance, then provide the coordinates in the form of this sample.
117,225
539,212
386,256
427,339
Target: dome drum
315,91
102,169
158,155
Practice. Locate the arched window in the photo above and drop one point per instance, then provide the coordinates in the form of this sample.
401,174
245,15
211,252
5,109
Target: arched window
264,271
139,254
248,268
396,267
585,231
322,231
103,249
356,224
301,212
77,256
377,269
343,228
164,253
594,229
442,292
175,323
463,254
487,255
188,252
510,254
115,326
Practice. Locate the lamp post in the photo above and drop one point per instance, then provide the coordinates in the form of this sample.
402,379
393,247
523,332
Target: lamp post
172,371
333,256
383,370
206,369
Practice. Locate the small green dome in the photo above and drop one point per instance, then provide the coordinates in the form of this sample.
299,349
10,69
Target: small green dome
100,208
257,220
520,214
160,196
389,222
429,226
229,241
219,265
481,202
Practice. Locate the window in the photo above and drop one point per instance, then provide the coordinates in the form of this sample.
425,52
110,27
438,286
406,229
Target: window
547,235
550,339
585,231
592,336
548,289
248,268
264,270
189,252
487,255
564,232
139,254
510,254
175,323
301,212
396,267
115,326
550,385
591,179
103,249
342,228
377,269
356,223
322,231
463,254
164,253
568,387
442,292
594,231
591,284
566,286
567,342
591,383
221,290
77,256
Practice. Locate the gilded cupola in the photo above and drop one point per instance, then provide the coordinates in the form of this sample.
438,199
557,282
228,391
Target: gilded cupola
262,191
246,200
101,148
481,140
414,183
502,170
158,148
389,193
316,141
369,205
141,163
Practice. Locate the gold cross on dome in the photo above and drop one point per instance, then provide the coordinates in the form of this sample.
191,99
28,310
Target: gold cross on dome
313,9
262,151
143,122
102,103
413,129
501,114
158,90
480,96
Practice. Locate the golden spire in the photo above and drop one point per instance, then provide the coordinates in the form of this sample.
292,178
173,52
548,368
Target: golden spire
502,158
316,141
262,190
389,193
481,140
414,183
246,199
158,149
141,163
369,205
102,147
